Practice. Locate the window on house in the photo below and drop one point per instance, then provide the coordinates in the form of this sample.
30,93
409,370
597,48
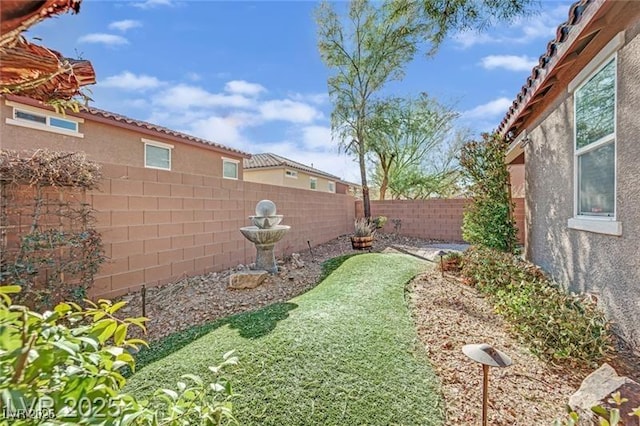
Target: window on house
313,183
229,169
595,140
157,155
46,122
331,187
291,174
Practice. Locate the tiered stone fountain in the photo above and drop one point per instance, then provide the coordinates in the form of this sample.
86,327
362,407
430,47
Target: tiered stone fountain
264,234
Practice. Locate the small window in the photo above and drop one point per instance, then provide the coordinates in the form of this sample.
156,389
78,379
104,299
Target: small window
43,121
291,174
63,124
229,169
595,141
28,116
313,183
157,156
331,186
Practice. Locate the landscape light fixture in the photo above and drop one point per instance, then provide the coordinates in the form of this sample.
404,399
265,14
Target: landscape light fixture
488,357
442,254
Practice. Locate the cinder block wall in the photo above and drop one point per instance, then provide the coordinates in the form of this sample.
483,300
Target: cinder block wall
438,219
159,226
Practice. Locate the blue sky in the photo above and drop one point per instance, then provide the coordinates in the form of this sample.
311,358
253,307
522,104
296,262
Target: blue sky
248,74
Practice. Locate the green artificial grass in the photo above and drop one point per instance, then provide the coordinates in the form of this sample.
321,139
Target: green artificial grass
344,353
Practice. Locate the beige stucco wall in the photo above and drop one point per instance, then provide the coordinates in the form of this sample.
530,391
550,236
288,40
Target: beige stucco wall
109,144
606,265
276,176
268,176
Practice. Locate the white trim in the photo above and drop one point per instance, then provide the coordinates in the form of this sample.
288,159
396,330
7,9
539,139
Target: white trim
329,183
599,226
148,142
602,225
43,127
42,111
234,162
593,66
156,143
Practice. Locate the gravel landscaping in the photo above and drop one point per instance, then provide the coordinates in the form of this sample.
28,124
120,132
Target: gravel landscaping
197,300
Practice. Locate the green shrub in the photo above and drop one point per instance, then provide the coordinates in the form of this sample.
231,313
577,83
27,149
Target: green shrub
555,325
64,367
488,220
451,262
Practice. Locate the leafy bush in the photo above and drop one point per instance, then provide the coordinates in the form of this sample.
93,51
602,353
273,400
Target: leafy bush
606,417
451,262
380,221
64,367
487,220
555,325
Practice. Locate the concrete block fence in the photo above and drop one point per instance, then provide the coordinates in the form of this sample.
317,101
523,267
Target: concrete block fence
160,226
438,219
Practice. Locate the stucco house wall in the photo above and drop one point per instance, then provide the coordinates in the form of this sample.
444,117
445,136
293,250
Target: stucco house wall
107,143
276,176
606,265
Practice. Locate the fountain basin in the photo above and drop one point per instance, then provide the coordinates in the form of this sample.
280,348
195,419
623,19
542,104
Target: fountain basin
266,221
264,236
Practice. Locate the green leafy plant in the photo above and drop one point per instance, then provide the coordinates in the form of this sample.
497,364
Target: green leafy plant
452,263
606,416
556,326
380,221
488,220
363,227
65,367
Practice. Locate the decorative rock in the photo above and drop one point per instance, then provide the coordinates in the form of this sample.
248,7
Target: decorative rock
597,388
247,279
296,262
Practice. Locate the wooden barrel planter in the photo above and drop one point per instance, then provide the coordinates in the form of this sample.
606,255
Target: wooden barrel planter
361,243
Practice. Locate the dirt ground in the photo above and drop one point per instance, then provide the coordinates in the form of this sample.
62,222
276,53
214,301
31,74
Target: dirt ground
197,300
448,315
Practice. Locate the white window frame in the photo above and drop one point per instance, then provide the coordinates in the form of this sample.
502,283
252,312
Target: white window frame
292,174
168,147
313,180
331,186
231,161
47,115
608,225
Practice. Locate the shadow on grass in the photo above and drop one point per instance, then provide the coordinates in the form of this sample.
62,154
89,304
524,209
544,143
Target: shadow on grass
250,325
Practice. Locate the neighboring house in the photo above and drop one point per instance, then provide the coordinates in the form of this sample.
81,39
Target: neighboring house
106,137
276,170
346,187
575,127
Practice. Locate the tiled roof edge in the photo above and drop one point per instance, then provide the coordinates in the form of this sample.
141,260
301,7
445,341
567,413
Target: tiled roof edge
575,15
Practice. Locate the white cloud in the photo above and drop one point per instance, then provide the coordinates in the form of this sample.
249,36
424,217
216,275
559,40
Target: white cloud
508,62
491,109
129,81
224,130
242,87
466,39
150,4
194,76
317,137
314,98
523,30
185,96
288,110
125,25
106,39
